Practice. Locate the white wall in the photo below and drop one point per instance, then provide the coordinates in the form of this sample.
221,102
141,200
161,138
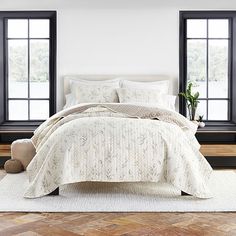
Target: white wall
116,36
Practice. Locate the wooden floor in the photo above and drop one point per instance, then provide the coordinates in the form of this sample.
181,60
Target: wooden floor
106,224
125,224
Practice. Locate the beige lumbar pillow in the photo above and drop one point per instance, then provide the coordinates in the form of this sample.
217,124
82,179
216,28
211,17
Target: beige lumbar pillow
13,166
23,150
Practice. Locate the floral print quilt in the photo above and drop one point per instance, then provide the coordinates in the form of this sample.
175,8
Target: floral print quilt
117,143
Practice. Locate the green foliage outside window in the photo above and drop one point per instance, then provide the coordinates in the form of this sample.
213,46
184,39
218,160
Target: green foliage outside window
39,61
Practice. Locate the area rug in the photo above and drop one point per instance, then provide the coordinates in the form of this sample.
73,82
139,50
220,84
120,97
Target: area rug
119,197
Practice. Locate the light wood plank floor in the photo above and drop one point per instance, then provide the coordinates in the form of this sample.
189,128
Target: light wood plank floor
125,224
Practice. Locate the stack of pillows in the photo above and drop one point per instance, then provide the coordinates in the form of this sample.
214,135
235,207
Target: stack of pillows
121,91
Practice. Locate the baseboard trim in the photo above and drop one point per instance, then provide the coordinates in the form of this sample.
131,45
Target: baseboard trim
225,162
3,160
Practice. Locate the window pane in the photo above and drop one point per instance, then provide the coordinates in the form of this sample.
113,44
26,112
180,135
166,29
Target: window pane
218,28
196,65
18,110
39,110
39,28
201,110
17,68
218,68
39,70
39,89
217,110
196,28
18,28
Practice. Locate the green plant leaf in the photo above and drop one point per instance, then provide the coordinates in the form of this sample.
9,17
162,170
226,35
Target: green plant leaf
191,99
196,95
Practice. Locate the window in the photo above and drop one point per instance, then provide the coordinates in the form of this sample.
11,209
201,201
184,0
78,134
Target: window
28,69
206,61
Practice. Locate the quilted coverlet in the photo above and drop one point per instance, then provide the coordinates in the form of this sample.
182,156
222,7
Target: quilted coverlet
117,143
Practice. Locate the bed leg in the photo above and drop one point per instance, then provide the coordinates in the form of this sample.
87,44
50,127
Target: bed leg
184,194
54,193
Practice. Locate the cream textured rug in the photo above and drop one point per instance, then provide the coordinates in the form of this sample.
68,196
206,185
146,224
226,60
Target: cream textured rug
119,197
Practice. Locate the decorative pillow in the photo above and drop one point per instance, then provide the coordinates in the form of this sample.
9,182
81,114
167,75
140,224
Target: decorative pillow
146,96
94,91
161,86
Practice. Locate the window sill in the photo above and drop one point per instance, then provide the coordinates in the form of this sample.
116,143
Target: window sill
16,129
220,124
19,126
229,128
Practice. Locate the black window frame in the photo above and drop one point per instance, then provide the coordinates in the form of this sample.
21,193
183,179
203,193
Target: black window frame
231,15
52,16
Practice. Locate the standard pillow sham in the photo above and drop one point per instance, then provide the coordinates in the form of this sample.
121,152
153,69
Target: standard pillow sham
94,91
161,86
147,97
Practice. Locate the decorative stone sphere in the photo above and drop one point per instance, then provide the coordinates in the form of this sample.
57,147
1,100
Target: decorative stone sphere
201,124
13,166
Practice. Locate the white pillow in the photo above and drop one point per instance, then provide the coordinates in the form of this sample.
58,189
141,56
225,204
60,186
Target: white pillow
146,96
114,82
161,86
85,91
70,101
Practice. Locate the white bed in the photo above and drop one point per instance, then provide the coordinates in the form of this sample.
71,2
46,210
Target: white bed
117,143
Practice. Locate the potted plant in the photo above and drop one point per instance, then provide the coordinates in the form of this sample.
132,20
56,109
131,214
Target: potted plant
191,101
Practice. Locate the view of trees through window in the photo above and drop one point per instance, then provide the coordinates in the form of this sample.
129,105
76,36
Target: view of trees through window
208,43
28,69
18,61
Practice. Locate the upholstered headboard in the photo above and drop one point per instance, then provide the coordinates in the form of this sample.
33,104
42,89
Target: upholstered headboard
143,78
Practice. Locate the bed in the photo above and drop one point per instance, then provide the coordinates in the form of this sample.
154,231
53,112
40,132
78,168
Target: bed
124,140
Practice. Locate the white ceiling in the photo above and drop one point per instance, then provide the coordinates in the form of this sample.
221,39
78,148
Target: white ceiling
116,4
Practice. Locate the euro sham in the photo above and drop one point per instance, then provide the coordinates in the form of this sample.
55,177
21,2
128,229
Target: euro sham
147,97
161,86
94,91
